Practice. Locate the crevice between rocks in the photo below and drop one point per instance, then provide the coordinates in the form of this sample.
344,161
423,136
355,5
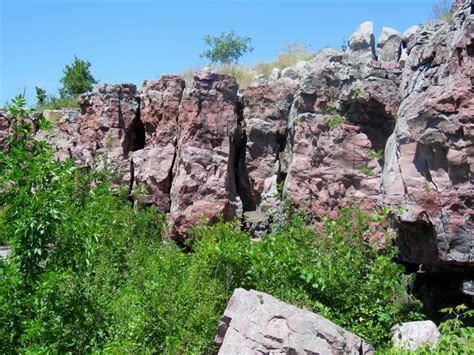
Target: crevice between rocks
242,180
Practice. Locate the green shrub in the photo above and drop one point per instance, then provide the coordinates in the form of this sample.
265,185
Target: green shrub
77,79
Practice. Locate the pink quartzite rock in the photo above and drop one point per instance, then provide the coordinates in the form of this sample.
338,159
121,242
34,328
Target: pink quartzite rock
152,168
109,113
257,323
330,167
204,171
429,168
159,100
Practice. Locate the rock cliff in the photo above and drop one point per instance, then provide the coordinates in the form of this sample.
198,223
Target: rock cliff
313,133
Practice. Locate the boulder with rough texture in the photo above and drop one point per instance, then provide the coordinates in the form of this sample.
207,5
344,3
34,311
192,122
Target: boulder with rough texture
428,175
256,223
257,323
152,169
412,335
5,252
362,42
159,109
209,136
110,119
389,45
410,34
331,152
265,117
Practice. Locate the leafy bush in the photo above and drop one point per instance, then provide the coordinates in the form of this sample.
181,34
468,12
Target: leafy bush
226,48
77,79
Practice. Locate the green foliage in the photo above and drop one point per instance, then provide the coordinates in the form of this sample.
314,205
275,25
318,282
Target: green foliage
442,11
456,338
376,154
40,95
77,79
57,103
336,119
227,48
367,171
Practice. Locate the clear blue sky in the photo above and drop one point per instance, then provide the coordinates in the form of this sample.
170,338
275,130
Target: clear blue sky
129,41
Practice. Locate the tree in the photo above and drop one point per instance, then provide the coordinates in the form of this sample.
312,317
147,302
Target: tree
77,79
40,95
227,48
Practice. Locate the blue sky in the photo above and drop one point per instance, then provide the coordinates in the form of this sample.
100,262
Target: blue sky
130,41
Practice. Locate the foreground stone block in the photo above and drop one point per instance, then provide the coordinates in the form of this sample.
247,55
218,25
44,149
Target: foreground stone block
412,335
257,323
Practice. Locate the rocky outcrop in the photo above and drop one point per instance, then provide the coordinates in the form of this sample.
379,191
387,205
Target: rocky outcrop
208,141
265,118
362,42
255,322
428,175
159,109
412,335
314,133
389,45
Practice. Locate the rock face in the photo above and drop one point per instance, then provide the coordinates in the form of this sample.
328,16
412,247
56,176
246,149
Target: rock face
265,116
314,133
412,335
429,167
209,137
362,42
389,45
255,323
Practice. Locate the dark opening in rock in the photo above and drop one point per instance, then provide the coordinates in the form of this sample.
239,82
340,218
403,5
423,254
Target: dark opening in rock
137,135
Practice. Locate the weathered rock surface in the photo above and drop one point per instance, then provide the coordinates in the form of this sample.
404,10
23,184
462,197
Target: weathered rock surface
159,109
209,136
362,42
257,323
265,118
389,45
428,175
109,119
5,252
339,154
412,335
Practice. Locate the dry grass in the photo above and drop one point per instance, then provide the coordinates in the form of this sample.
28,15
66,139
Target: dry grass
442,11
289,56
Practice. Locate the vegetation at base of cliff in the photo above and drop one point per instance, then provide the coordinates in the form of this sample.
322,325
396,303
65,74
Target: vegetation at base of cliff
90,272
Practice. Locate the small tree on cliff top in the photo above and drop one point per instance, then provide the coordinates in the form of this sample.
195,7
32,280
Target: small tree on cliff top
226,48
77,79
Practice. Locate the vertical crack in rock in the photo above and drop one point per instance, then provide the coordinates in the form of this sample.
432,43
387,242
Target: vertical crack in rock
242,180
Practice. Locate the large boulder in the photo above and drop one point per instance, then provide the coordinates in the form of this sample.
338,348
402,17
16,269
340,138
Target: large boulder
362,42
428,175
152,169
159,109
410,336
257,323
389,45
110,118
209,137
